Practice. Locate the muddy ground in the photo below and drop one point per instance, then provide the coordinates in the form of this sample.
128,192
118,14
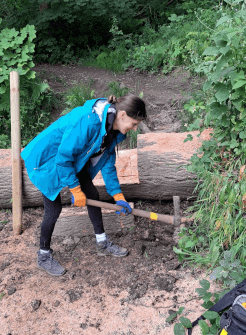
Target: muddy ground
102,295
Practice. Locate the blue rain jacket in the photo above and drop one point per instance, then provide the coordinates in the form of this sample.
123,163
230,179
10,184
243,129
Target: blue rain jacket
57,154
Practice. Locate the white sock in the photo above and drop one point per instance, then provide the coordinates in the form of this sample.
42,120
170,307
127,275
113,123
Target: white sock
100,237
43,251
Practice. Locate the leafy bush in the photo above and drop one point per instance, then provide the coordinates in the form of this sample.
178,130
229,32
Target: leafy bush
77,95
16,50
115,88
172,45
219,212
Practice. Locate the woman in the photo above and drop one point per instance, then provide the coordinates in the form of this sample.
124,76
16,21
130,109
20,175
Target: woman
70,152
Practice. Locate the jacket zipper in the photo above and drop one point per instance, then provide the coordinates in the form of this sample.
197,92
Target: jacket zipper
90,148
228,324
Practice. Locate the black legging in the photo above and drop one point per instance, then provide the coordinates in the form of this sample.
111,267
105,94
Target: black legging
52,210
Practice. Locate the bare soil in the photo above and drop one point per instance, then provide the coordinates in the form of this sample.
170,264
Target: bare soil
164,94
101,295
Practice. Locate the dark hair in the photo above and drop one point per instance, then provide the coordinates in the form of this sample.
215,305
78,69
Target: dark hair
131,104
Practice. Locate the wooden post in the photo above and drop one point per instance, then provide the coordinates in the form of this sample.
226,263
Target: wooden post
16,149
176,204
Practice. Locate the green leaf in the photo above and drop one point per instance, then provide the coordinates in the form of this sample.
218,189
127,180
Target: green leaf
235,95
207,297
180,311
224,50
226,71
238,84
205,284
210,315
201,292
223,93
238,104
171,317
179,329
235,76
178,251
220,40
233,145
185,322
31,75
204,327
2,89
190,244
235,41
207,85
242,134
214,328
207,304
216,110
238,21
211,51
222,20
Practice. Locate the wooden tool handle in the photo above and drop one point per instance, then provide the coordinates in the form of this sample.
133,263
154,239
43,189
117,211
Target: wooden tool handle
150,215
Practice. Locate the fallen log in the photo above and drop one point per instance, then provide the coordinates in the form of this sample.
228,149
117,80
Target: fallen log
74,221
162,161
155,170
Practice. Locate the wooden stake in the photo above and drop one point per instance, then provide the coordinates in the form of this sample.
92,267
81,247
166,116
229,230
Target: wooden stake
176,205
16,149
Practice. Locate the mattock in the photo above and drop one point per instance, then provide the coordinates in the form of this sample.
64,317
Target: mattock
176,220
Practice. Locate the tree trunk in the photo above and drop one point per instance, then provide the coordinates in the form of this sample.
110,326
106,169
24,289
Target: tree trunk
74,221
162,161
155,170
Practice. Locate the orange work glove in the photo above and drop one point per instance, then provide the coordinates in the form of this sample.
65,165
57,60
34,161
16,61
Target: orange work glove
78,197
119,196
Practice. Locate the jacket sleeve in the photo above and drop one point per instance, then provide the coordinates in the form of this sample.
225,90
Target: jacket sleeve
109,174
76,139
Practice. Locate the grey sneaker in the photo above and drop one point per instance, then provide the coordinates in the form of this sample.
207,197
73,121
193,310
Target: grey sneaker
47,263
108,248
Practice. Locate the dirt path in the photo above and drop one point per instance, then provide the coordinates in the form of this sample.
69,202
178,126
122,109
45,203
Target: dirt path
108,296
163,94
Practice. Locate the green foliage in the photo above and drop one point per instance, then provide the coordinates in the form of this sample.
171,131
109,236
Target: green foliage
113,56
107,59
116,89
66,28
230,271
132,136
219,212
16,49
77,95
227,275
172,45
36,100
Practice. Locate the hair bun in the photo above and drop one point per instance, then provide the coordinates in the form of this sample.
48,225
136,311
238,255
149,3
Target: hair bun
112,99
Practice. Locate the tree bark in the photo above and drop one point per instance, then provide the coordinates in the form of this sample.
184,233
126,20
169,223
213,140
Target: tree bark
155,170
162,161
76,222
